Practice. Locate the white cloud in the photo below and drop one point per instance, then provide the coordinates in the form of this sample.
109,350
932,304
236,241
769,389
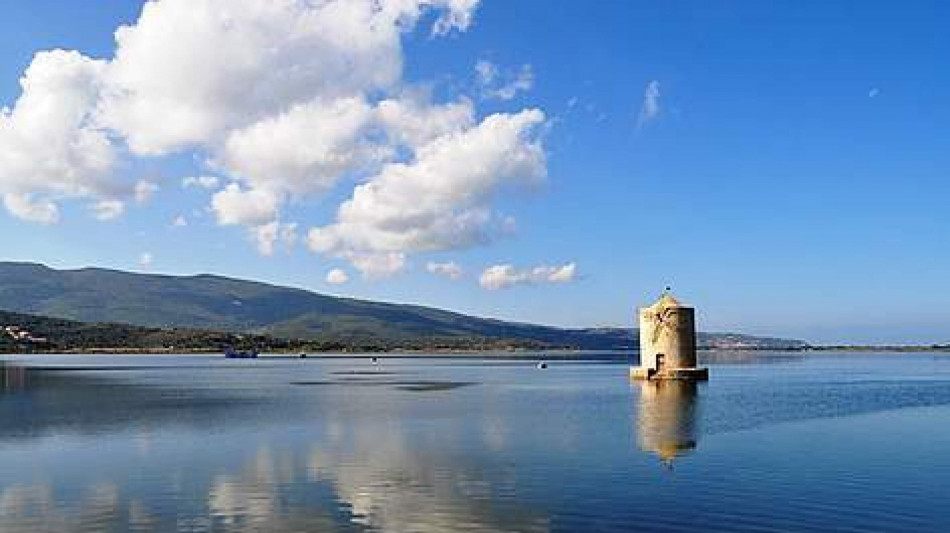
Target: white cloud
450,269
189,71
145,259
650,109
25,207
108,209
495,84
376,265
562,274
273,92
49,147
411,121
440,200
144,191
304,149
458,15
180,221
487,72
204,182
267,236
337,276
505,276
283,100
235,206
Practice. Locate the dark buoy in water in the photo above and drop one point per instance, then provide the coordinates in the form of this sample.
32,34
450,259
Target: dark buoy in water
374,360
542,365
303,355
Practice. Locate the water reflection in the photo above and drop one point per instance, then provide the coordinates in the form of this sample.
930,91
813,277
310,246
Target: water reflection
13,378
307,459
242,448
269,493
98,507
390,485
43,401
667,418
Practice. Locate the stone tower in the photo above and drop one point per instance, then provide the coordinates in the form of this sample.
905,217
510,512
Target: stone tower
668,342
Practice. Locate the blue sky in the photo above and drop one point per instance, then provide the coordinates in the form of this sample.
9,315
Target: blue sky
790,179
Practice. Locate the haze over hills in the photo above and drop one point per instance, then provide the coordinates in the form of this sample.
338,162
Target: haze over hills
211,302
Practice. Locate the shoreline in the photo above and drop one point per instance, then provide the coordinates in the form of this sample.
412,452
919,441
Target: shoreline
519,353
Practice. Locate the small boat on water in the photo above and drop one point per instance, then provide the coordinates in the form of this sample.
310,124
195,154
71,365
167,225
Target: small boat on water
231,353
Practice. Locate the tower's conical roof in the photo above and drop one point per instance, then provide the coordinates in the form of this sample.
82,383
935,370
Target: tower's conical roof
666,301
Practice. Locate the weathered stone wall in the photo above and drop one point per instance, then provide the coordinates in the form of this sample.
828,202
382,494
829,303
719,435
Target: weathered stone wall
670,331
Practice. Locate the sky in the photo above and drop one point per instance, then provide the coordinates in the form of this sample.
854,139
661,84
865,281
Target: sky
782,165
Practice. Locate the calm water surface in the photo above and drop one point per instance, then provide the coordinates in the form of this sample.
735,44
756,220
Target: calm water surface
776,443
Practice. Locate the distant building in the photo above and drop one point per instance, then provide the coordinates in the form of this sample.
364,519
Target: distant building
668,342
22,335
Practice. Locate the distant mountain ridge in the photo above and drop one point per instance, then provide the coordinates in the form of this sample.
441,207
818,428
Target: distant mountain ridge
212,302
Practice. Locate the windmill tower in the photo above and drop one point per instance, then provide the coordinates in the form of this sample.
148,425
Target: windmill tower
668,342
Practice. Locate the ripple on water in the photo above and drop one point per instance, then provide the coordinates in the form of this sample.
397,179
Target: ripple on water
796,445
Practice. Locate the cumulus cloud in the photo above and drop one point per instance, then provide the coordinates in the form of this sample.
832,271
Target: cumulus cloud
180,221
411,121
504,276
189,71
503,86
440,200
450,269
192,72
25,207
236,206
650,109
376,265
277,101
337,276
238,81
204,182
269,153
50,148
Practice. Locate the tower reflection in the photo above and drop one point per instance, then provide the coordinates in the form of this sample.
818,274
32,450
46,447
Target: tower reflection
12,378
667,418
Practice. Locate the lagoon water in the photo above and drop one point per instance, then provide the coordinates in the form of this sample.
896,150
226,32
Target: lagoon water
774,442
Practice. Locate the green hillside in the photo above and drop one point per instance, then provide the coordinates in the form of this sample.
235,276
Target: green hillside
25,333
216,303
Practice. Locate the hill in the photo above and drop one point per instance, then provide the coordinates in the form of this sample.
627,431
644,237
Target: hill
209,302
25,333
